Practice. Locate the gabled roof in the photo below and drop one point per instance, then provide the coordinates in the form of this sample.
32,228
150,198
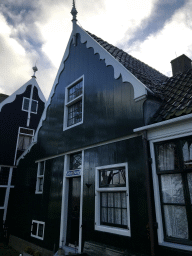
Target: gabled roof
177,92
3,97
12,97
146,74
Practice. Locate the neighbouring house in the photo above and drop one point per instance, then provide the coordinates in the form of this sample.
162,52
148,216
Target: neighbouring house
170,139
20,114
96,189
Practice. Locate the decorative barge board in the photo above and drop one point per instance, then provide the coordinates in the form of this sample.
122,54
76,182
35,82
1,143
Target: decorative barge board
20,114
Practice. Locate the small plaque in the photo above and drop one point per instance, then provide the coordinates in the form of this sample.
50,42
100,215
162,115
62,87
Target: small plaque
73,173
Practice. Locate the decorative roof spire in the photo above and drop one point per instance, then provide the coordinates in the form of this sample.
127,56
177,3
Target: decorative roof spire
74,13
35,69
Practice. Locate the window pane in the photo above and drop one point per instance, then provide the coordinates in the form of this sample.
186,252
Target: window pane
124,217
104,214
75,161
187,153
176,221
113,178
110,200
34,229
124,200
27,131
117,199
24,142
104,199
41,168
4,175
40,231
166,157
75,91
40,184
75,113
26,104
189,178
172,188
112,211
34,106
117,216
111,215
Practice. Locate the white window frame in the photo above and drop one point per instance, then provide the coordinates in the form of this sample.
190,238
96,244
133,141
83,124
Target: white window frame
104,228
26,134
38,222
39,177
160,134
19,132
70,103
29,109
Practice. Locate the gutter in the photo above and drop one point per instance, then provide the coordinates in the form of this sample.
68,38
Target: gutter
167,122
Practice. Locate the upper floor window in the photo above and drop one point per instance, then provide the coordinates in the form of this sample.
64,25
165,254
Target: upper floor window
112,199
174,171
73,113
24,138
40,177
37,229
26,105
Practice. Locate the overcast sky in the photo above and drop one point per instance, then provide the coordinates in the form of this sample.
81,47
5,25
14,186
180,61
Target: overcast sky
153,31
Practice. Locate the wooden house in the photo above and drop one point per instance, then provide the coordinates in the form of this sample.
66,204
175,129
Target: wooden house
86,182
20,114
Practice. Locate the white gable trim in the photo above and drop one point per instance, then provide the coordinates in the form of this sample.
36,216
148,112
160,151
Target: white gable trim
43,117
140,90
21,90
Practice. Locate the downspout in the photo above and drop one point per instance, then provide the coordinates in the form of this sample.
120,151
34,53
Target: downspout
149,194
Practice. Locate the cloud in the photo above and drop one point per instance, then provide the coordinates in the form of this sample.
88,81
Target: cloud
161,13
39,30
157,50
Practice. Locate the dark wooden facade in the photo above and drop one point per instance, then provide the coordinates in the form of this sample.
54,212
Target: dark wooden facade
14,123
105,138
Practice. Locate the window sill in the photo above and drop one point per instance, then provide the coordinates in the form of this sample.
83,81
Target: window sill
38,237
176,246
38,192
113,230
69,127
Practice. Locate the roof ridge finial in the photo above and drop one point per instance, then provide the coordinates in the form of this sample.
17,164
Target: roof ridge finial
35,69
74,12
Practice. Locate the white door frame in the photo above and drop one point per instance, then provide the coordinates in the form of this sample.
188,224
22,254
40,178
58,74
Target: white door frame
64,205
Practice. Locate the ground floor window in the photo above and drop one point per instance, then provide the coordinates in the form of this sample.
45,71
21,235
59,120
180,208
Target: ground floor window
112,199
37,229
174,172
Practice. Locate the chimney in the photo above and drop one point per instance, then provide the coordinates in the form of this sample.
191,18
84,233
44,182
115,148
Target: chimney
180,64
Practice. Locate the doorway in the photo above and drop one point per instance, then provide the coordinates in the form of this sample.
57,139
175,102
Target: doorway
72,238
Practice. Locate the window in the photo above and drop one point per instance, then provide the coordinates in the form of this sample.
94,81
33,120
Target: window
26,105
112,199
174,171
73,104
75,164
37,229
25,138
40,177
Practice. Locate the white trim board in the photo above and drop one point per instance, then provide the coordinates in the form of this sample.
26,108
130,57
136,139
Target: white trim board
172,129
89,147
21,90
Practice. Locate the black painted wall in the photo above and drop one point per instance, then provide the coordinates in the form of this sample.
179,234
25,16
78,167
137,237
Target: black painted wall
109,107
11,118
28,206
131,152
110,112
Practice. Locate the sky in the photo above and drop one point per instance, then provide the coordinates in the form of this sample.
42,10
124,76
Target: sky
37,32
